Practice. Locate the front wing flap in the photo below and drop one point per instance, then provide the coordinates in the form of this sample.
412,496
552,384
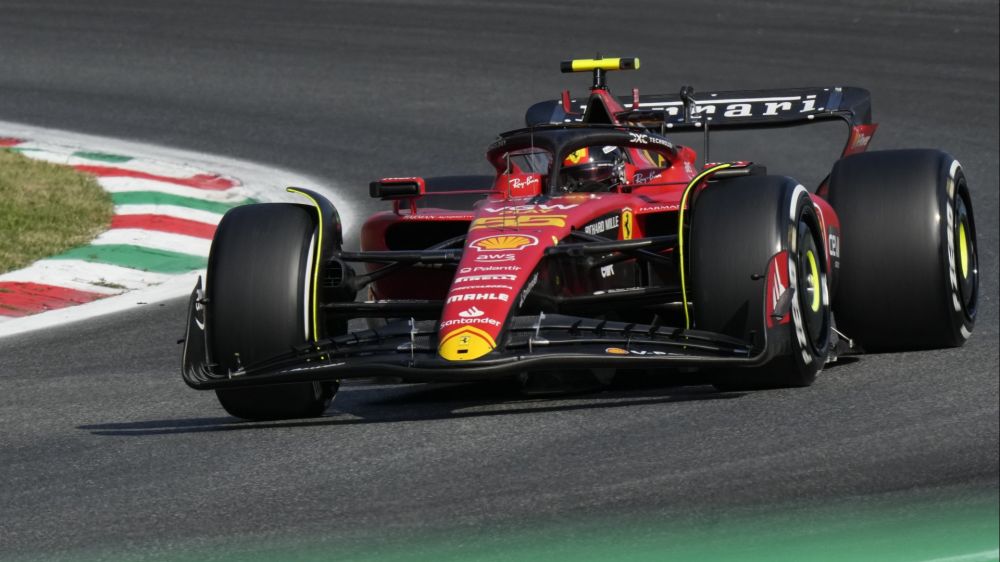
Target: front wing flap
408,349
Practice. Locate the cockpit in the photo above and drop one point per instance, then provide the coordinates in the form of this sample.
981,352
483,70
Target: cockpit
581,159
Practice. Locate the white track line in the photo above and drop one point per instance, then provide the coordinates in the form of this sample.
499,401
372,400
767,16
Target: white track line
156,240
79,281
56,154
125,184
97,276
176,286
185,213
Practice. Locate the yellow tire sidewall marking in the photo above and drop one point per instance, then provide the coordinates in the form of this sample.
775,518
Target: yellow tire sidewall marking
963,249
814,280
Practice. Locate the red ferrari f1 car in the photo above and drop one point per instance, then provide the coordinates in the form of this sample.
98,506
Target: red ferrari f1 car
598,245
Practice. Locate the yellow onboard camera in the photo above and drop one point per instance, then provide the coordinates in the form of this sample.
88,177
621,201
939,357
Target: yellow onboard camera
599,66
586,65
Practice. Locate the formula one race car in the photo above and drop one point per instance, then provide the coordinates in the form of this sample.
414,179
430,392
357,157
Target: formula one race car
598,245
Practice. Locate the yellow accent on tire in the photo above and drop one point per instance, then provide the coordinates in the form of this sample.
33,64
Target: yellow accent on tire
315,281
814,280
680,236
963,250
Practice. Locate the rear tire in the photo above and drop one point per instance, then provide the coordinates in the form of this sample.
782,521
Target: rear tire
909,275
258,277
737,226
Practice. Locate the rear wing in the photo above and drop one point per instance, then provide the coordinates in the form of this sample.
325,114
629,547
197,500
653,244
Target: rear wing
741,109
735,109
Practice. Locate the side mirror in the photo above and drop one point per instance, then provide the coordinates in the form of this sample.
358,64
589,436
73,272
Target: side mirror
397,188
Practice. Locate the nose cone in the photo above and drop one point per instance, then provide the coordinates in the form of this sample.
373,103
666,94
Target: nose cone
466,343
506,241
493,271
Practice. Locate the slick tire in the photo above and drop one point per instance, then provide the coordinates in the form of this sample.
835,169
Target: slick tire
737,226
257,289
909,276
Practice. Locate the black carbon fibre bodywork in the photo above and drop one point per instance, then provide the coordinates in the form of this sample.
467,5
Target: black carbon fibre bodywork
408,350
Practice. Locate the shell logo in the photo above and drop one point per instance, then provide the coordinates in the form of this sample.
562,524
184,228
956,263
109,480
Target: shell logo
504,242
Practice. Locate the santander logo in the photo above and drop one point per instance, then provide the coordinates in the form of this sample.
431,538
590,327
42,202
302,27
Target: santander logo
471,312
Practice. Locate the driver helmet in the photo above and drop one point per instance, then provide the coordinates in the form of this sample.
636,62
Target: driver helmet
593,168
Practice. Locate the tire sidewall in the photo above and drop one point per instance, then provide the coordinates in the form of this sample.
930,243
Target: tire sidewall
809,356
953,189
754,221
259,286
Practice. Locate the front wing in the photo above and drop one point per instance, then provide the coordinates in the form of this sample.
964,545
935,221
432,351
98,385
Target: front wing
407,349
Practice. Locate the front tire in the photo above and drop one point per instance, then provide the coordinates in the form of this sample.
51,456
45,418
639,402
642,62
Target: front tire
909,269
737,226
259,273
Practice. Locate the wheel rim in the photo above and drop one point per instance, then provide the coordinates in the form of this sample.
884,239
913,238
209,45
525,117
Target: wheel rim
968,266
810,288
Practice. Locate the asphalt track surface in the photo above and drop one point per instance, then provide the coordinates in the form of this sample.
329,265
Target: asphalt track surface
105,449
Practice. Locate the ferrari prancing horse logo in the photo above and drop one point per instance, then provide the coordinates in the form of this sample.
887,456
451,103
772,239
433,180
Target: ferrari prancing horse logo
575,157
627,220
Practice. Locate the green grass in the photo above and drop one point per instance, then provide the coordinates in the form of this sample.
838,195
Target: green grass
957,525
46,209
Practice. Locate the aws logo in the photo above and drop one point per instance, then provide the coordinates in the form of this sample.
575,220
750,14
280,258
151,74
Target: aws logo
495,257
